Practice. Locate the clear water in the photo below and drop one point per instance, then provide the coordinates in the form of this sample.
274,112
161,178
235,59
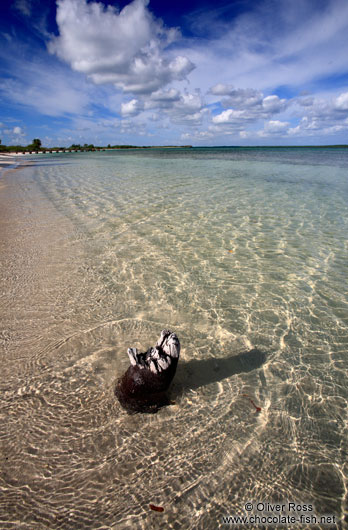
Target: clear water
241,252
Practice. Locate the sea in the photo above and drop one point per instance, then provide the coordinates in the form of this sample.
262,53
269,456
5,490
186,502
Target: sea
243,253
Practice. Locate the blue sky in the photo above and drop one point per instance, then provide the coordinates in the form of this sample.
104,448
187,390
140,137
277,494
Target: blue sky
161,72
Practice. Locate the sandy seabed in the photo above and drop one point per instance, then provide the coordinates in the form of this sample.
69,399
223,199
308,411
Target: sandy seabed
72,299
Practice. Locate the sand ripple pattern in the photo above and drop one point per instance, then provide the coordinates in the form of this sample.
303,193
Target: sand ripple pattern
244,255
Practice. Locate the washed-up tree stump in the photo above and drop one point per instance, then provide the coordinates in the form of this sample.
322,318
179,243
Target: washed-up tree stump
143,386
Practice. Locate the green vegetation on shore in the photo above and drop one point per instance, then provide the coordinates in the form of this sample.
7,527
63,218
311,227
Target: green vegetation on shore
36,147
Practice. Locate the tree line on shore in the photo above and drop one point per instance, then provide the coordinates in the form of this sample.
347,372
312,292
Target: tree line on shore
36,147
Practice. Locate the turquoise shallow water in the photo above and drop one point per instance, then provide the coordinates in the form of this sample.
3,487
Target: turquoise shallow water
241,252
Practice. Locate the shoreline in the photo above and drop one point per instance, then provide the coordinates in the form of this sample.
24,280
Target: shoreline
13,158
6,155
38,245
9,158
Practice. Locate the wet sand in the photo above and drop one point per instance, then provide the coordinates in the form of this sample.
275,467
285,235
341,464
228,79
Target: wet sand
32,256
38,308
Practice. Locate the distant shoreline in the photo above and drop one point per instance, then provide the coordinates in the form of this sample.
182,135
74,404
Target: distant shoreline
4,155
11,151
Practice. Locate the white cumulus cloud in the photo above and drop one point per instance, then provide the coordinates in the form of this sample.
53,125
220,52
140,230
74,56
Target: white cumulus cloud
276,126
274,104
188,108
131,108
341,102
125,48
162,99
180,108
229,116
222,90
237,97
247,105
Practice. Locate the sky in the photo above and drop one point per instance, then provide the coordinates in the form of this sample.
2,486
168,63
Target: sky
171,72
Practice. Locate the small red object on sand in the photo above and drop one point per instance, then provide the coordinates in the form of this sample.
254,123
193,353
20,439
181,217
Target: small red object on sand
258,409
156,508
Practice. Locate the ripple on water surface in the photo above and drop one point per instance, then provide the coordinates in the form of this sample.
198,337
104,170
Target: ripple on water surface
245,257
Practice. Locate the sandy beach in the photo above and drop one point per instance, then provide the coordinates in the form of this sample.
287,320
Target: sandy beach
35,243
9,158
38,248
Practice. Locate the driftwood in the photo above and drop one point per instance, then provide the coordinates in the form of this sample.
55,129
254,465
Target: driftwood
143,386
